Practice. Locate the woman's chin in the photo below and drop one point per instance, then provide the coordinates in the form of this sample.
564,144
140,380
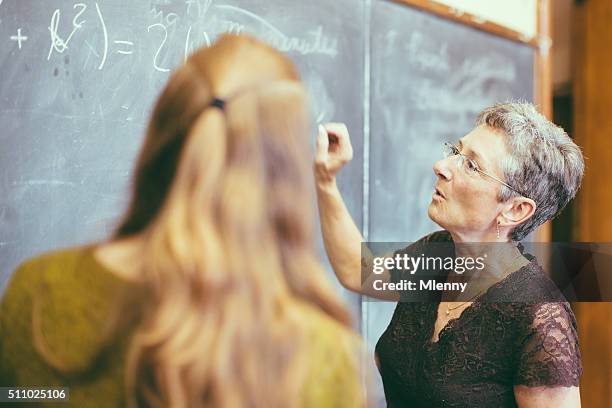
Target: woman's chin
433,211
437,213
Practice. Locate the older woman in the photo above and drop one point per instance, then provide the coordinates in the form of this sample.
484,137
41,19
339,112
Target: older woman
511,173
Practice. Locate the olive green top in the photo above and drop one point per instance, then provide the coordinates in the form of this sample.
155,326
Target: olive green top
66,297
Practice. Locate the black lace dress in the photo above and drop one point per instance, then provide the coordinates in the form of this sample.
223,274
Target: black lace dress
480,356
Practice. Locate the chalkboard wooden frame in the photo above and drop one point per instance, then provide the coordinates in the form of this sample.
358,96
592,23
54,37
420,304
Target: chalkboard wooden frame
472,20
542,63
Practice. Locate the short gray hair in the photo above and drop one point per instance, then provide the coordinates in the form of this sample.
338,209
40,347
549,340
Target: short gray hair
544,163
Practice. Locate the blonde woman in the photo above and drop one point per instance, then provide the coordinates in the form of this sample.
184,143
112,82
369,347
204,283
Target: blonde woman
209,293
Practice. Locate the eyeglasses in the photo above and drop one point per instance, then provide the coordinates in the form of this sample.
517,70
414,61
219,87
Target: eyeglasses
469,166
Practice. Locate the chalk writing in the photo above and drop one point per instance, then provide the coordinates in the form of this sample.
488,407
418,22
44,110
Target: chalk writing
421,55
253,16
206,39
187,43
57,43
202,8
316,43
5,243
19,38
198,31
105,37
163,27
44,183
128,43
169,19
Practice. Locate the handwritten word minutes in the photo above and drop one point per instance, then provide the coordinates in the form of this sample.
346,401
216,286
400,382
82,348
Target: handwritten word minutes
316,43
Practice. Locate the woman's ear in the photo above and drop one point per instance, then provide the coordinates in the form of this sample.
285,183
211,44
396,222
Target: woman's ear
517,211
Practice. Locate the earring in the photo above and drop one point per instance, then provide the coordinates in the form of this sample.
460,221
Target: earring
497,227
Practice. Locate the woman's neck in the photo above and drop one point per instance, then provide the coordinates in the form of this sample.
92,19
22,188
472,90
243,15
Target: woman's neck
121,257
493,262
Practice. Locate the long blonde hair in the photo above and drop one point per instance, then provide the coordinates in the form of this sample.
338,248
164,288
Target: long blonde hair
222,201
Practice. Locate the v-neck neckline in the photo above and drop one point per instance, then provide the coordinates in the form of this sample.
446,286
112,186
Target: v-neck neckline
451,323
471,309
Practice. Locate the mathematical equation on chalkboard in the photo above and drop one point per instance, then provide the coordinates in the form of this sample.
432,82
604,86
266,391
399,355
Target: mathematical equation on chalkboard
64,28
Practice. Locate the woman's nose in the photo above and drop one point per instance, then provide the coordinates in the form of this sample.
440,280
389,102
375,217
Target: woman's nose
442,168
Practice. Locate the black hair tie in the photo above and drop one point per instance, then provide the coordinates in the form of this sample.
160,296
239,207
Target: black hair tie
218,103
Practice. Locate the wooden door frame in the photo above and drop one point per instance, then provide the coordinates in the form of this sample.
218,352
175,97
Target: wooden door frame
541,42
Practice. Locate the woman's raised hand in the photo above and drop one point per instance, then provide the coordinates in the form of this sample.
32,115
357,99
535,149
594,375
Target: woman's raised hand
334,150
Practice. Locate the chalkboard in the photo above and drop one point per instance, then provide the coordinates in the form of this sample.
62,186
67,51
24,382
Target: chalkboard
79,80
430,78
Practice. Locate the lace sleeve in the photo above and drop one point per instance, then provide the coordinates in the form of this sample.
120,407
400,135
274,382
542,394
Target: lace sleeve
548,352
